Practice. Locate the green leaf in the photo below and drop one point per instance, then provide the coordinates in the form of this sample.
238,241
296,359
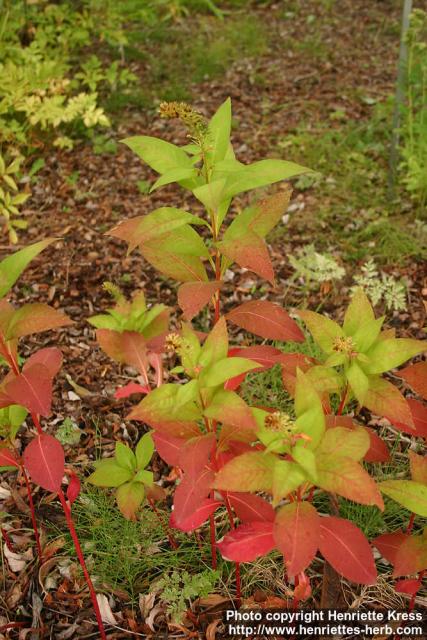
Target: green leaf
261,217
388,354
103,321
306,459
358,380
144,476
219,131
171,409
412,495
129,498
323,330
109,473
222,370
125,457
174,175
211,195
160,222
215,346
252,471
12,266
260,174
359,312
184,268
347,443
347,478
229,408
160,155
366,334
309,411
287,477
144,451
384,399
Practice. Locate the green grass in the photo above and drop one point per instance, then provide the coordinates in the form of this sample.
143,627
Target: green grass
353,193
127,555
266,388
180,54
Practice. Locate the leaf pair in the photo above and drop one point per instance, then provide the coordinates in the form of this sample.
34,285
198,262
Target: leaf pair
299,532
126,471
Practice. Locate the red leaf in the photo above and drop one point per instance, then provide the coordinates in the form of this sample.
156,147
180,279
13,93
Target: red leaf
411,556
129,389
248,542
33,318
250,252
416,376
8,458
266,355
32,389
195,454
51,357
384,399
193,296
251,508
418,466
267,320
191,493
419,417
73,489
168,448
128,347
410,586
297,532
45,462
196,519
378,450
230,409
388,544
345,547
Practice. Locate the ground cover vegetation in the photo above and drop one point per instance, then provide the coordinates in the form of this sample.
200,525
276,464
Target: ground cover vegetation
260,441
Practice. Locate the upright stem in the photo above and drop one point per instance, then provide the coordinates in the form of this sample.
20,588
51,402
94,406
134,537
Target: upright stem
79,552
213,539
343,401
236,564
165,527
411,523
33,515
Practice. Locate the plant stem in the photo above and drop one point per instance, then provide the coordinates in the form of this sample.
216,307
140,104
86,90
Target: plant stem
236,564
213,538
295,600
79,552
165,527
343,401
33,515
7,540
411,523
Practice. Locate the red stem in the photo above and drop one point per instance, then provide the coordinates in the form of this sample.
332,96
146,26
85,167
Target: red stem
236,564
165,527
213,538
33,515
343,401
295,600
79,552
411,523
7,540
217,277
